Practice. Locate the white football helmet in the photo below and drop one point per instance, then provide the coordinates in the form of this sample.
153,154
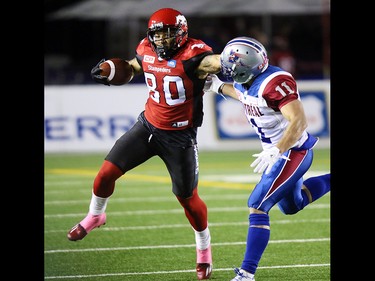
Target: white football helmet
243,58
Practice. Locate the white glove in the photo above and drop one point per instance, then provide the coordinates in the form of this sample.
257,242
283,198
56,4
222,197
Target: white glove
212,84
266,159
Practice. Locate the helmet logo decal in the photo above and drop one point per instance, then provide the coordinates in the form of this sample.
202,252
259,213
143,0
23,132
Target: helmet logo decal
236,58
233,56
262,65
181,20
156,25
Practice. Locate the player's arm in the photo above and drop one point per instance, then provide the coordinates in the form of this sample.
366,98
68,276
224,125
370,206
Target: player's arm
295,114
136,66
209,64
228,89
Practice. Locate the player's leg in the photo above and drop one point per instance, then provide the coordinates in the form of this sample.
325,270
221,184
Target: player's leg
316,187
258,236
196,212
270,190
130,150
182,164
265,195
103,187
304,192
259,230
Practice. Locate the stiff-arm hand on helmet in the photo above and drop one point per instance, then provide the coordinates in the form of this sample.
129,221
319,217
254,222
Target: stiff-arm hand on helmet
213,84
266,159
95,74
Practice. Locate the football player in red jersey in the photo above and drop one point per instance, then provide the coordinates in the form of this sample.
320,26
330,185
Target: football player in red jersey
175,68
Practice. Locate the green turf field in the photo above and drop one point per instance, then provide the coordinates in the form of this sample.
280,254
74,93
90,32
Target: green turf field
147,236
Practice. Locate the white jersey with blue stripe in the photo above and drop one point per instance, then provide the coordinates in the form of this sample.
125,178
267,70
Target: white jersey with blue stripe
262,101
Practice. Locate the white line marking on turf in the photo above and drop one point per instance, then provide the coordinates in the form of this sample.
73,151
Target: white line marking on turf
167,226
177,211
180,246
181,271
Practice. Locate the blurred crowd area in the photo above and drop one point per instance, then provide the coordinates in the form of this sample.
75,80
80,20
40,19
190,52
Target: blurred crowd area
298,43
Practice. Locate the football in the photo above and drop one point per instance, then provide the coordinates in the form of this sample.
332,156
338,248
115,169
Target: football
118,71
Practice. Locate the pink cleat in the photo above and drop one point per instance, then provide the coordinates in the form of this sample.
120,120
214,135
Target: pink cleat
79,231
204,263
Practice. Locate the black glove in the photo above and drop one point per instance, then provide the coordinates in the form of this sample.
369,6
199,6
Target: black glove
95,74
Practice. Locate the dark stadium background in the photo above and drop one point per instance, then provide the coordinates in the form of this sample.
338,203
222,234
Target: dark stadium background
74,43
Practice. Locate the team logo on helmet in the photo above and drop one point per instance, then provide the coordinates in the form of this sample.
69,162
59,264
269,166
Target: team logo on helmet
181,20
156,25
235,57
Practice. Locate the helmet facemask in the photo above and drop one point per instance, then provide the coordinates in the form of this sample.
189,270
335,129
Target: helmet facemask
165,50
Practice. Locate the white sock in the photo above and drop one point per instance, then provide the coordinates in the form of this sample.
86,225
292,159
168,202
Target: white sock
202,239
98,205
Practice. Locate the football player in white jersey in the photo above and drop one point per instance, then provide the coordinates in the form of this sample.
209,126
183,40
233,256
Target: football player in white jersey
272,105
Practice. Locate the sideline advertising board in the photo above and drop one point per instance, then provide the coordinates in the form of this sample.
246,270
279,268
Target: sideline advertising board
91,118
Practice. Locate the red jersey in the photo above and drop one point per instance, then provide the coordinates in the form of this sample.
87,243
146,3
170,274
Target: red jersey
175,100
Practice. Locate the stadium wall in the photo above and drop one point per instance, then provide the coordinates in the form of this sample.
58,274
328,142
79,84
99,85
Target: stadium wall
91,118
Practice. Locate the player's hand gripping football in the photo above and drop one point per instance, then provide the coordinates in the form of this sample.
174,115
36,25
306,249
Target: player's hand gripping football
266,159
95,74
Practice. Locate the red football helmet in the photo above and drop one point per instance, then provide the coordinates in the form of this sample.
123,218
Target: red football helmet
174,24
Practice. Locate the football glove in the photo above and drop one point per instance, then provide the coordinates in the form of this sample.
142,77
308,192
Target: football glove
95,74
213,84
266,159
